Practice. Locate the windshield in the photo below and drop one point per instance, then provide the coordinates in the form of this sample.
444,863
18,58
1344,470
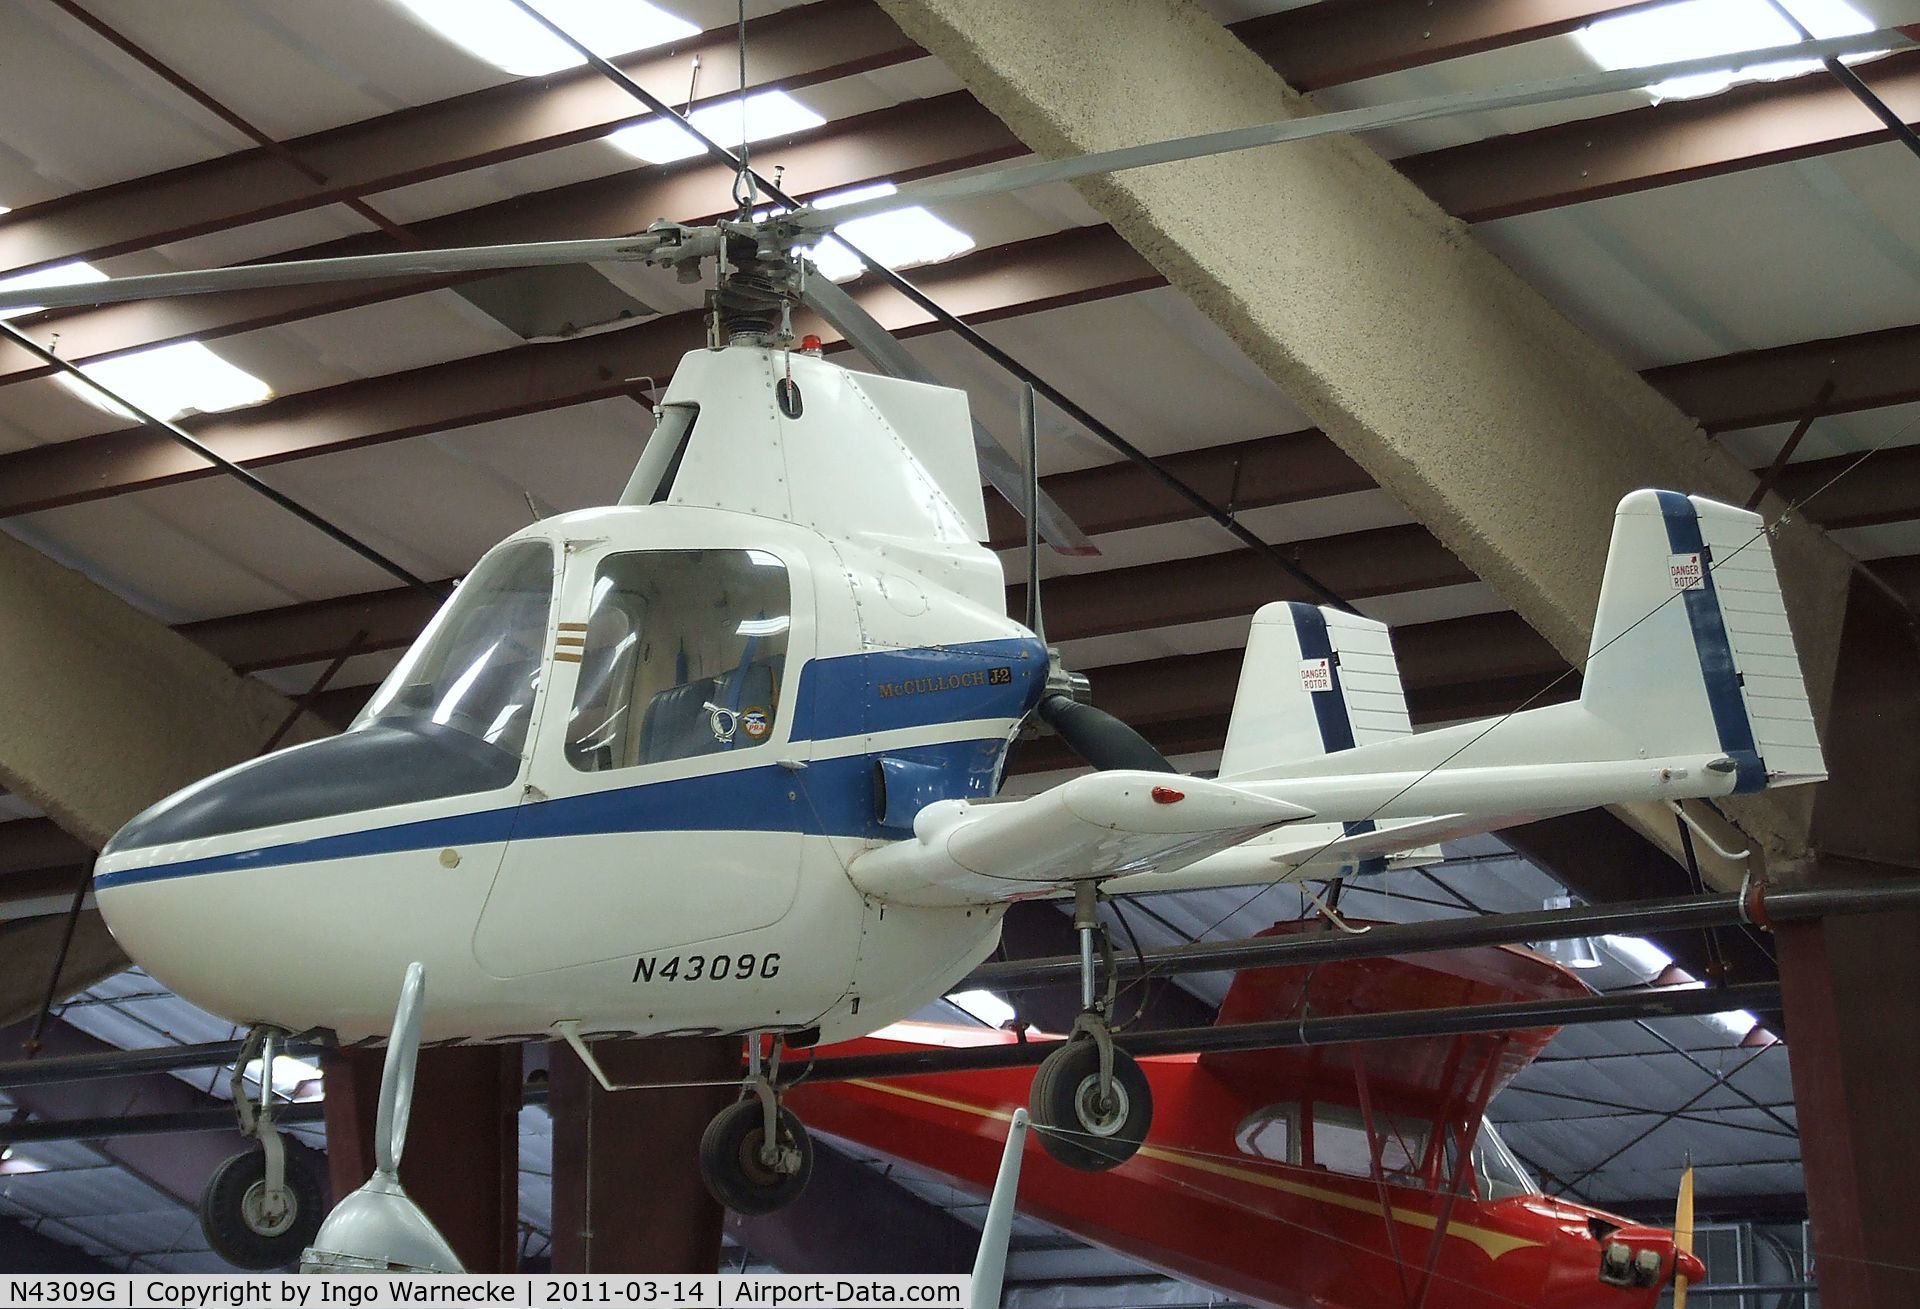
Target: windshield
477,666
1501,1174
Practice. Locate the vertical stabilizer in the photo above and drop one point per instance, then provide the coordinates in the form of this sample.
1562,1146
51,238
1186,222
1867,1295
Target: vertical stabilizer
1691,647
1314,682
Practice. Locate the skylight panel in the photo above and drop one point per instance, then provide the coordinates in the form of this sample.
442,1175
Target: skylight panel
1736,1023
984,1005
1697,29
170,380
498,32
74,271
768,114
294,1078
898,238
1639,954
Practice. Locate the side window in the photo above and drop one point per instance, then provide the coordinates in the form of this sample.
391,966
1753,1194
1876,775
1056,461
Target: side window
659,464
1340,1143
1268,1134
685,655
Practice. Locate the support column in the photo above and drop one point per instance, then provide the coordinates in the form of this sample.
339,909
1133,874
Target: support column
1497,422
1851,987
627,1194
462,1161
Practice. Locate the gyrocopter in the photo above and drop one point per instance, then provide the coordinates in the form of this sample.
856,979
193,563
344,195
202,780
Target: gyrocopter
724,757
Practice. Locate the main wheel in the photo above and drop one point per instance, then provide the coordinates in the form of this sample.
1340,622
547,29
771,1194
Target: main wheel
243,1229
731,1165
1080,1127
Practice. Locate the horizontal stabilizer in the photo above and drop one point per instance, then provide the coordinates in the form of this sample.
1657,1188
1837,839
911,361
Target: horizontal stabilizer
1103,825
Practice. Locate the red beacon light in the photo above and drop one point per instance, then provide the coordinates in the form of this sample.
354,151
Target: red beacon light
1167,795
810,344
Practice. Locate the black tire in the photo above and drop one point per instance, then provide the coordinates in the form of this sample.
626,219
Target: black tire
230,1218
1074,1127
730,1160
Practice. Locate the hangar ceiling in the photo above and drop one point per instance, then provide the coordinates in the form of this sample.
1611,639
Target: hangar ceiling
1754,254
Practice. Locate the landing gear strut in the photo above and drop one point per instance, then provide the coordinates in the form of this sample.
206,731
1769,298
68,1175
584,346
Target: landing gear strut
260,1209
1090,1101
756,1156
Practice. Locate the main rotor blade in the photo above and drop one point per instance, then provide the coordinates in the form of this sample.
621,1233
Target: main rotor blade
864,332
346,268
1039,172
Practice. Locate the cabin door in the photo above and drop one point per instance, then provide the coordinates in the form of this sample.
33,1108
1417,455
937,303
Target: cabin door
663,812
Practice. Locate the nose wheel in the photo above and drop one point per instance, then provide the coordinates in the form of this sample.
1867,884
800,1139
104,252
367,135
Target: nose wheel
1090,1101
260,1209
755,1155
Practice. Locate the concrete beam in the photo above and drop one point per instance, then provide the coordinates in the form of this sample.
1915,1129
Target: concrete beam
1499,424
27,950
108,710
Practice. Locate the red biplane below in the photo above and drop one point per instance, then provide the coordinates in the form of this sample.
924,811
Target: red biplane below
1322,1177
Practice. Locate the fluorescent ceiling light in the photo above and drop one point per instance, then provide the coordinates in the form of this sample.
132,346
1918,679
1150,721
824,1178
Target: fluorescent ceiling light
74,271
1696,29
986,1006
170,380
499,33
898,238
768,114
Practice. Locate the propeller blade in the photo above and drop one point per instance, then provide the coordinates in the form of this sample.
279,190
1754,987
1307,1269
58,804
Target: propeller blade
1683,1234
1039,172
864,332
346,268
1098,737
396,1078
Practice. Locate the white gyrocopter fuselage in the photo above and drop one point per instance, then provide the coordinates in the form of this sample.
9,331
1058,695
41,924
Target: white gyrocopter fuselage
724,757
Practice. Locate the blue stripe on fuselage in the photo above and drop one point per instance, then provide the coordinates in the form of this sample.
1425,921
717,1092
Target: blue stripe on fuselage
883,690
1714,649
828,797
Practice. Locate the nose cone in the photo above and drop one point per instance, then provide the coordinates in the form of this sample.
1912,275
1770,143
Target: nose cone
218,890
373,767
1689,1266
